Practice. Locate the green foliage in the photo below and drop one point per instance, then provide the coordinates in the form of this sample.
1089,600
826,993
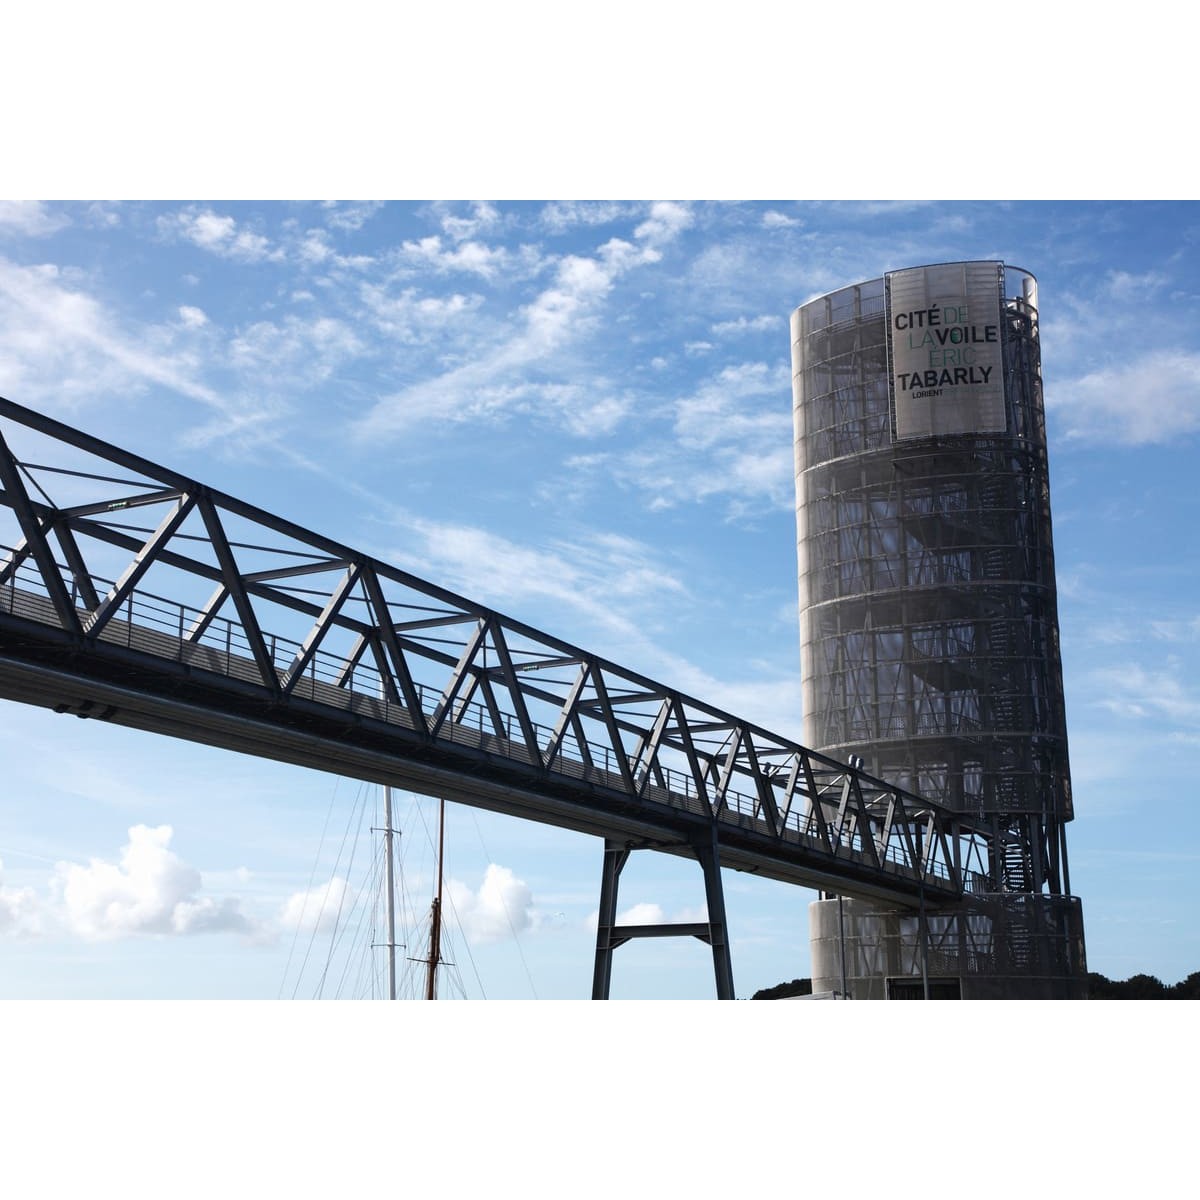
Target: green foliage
781,991
1142,987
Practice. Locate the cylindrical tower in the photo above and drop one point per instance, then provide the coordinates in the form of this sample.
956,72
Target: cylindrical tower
928,614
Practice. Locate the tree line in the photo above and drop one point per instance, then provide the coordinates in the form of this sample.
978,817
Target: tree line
1136,987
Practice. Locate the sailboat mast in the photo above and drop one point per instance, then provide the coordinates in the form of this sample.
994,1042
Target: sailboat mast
435,916
391,891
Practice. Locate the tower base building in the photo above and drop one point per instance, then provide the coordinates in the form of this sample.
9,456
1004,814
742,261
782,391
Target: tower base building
928,616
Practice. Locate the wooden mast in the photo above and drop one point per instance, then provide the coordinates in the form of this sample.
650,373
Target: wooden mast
435,916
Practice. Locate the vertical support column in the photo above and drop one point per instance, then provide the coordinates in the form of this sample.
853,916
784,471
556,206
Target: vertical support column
714,894
615,857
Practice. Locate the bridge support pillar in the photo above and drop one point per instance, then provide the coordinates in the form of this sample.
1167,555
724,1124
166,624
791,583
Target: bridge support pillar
610,935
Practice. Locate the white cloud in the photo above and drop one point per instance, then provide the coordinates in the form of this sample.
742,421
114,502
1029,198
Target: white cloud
1177,631
584,576
413,318
562,313
1132,691
58,343
649,913
219,235
733,438
483,216
192,317
319,909
29,218
501,908
666,221
751,325
1150,400
352,214
562,215
19,909
772,219
470,257
642,914
150,891
1125,286
306,350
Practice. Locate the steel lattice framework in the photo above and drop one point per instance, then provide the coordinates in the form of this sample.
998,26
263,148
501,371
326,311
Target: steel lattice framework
131,594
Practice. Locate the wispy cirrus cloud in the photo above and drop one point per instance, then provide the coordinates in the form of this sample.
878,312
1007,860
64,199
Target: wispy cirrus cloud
731,439
59,344
1149,400
561,215
555,318
760,324
1133,691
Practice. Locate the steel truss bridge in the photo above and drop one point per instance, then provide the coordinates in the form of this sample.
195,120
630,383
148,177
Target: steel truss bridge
131,594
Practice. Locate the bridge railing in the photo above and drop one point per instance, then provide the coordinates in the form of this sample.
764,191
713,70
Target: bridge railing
159,626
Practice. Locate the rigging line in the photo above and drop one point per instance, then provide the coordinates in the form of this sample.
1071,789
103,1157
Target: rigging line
507,918
312,936
308,892
361,947
338,929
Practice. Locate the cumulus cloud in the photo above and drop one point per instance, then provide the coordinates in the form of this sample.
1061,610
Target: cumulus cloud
501,908
482,217
29,218
648,913
319,909
218,235
773,219
665,222
413,318
469,257
151,890
20,912
193,317
1150,400
301,349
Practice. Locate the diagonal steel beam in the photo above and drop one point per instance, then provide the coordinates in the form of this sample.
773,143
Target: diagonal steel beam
18,497
237,591
610,725
315,635
132,574
766,793
567,714
399,675
445,705
514,687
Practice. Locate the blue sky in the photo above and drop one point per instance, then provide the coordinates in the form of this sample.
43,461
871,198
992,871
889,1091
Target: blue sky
578,414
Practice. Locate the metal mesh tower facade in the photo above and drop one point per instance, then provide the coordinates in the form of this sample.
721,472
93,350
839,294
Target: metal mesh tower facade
928,613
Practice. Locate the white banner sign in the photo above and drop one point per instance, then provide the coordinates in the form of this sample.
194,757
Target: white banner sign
944,350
